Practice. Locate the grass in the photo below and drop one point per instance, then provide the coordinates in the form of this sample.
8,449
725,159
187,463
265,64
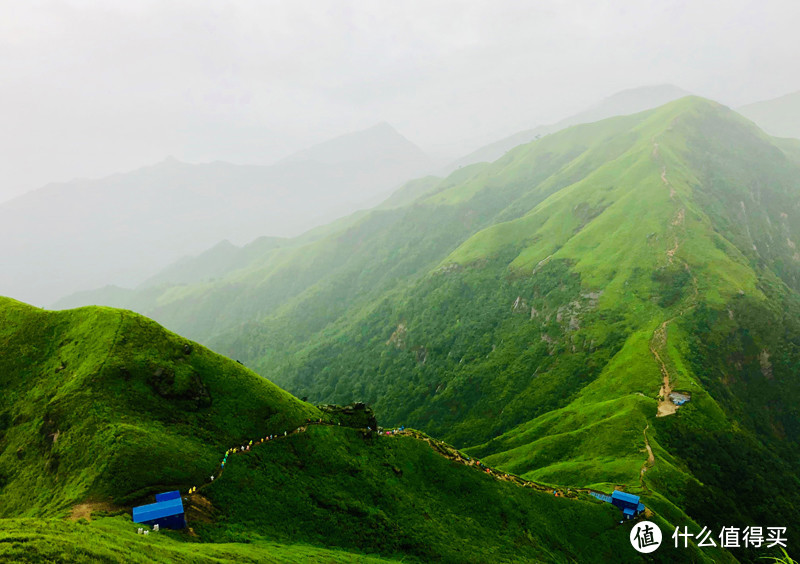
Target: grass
114,539
529,291
104,406
89,395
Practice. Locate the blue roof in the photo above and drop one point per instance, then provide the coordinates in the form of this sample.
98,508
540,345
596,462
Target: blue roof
627,511
640,508
174,494
625,497
157,510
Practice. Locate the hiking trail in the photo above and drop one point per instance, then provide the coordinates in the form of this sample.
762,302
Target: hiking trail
651,459
441,448
659,341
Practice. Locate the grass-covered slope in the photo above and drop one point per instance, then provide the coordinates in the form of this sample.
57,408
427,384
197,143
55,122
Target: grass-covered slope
540,309
633,258
113,539
102,408
102,403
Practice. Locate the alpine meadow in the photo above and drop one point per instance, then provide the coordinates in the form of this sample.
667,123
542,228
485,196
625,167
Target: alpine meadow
568,343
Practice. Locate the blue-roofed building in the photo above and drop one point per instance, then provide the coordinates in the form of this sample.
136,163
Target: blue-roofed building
167,511
166,496
628,503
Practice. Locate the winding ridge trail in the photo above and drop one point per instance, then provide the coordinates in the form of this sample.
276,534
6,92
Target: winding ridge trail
441,448
650,462
658,343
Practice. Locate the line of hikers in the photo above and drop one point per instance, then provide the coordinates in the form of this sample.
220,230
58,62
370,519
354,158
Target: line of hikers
246,448
444,449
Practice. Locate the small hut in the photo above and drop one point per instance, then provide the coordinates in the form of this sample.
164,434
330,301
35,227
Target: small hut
167,511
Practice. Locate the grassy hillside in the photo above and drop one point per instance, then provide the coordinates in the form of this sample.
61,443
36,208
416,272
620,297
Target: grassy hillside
114,539
101,408
621,103
102,403
538,311
548,342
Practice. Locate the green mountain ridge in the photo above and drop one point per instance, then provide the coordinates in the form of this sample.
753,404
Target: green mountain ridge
101,408
622,103
537,311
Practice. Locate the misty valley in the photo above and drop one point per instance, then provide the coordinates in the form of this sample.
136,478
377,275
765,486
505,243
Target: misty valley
576,340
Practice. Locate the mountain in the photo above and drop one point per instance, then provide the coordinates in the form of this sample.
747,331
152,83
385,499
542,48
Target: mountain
381,143
622,103
122,229
539,311
102,408
779,117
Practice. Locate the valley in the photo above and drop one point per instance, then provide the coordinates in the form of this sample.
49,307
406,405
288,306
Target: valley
613,306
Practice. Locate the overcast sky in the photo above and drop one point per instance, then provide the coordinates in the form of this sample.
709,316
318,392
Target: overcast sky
92,88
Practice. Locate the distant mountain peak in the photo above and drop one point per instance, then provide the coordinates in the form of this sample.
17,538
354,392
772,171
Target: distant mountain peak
380,141
382,126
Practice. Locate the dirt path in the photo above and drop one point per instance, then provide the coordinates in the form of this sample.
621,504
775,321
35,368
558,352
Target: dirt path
658,343
666,183
85,510
671,252
651,459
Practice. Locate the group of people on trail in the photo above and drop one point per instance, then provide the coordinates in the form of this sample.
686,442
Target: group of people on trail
463,458
245,448
391,431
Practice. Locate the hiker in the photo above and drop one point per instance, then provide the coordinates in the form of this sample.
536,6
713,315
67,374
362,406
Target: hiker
212,477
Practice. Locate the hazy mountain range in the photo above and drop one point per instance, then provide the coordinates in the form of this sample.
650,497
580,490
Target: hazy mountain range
779,116
121,229
545,313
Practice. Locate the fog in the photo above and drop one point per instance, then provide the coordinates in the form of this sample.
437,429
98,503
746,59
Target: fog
93,88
